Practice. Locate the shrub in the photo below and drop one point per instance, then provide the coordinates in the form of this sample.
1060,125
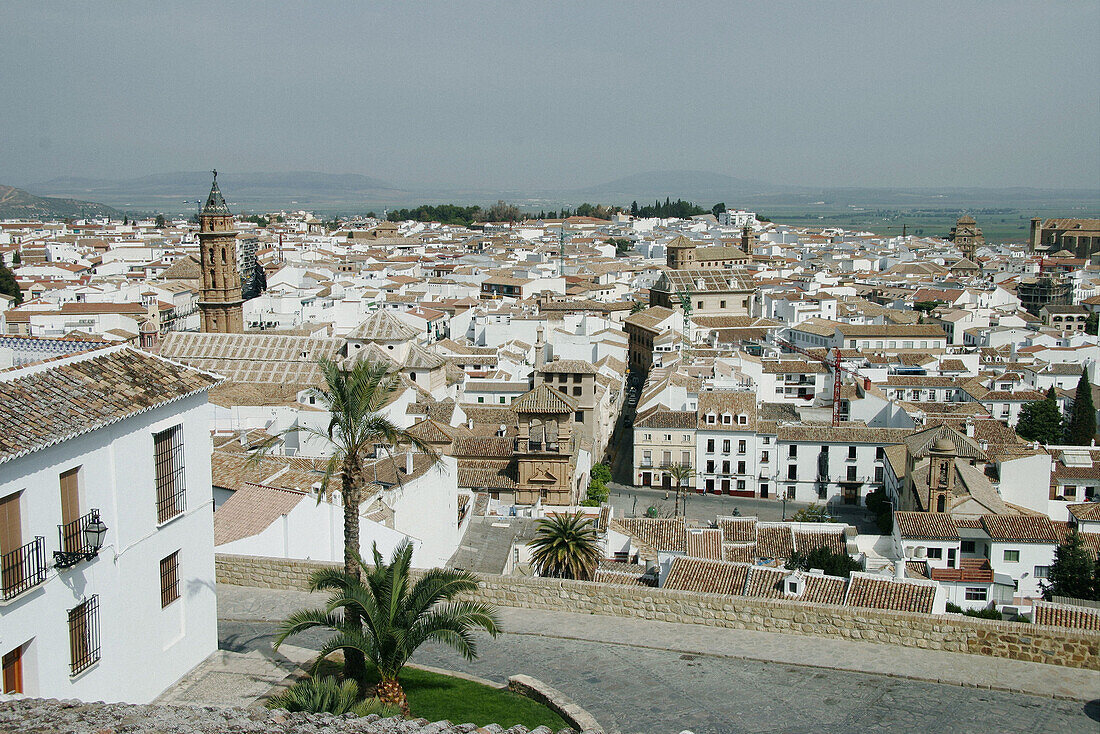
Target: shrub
327,695
813,513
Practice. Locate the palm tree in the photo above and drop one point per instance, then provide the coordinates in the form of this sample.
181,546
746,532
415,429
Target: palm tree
328,695
565,547
395,620
681,473
354,398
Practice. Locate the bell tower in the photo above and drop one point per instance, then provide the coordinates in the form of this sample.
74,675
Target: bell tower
221,299
941,474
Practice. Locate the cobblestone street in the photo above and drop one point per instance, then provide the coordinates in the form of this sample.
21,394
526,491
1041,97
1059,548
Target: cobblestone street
631,687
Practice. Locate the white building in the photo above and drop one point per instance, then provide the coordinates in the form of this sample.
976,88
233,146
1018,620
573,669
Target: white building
120,435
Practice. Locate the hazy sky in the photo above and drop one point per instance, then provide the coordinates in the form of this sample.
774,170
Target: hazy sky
546,94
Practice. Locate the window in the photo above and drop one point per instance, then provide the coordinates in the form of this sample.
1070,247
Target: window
740,467
668,437
878,473
1042,572
880,453
766,440
790,491
168,458
851,474
647,458
792,472
666,458
686,437
968,546
481,398
725,467
502,400
579,416
169,579
577,390
936,553
741,446
685,458
711,418
727,419
710,445
764,459
1012,556
975,593
71,539
740,485
726,446
648,436
792,450
710,467
851,453
563,378
84,635
1069,491
721,304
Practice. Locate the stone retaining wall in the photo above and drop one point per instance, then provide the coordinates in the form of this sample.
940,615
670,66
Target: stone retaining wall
1053,645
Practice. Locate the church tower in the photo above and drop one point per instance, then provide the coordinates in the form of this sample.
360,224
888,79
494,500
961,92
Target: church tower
221,299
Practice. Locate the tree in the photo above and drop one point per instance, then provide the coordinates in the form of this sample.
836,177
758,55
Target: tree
813,513
160,222
832,562
681,474
1073,572
602,472
354,399
634,208
1082,422
394,619
8,286
622,244
503,212
638,306
565,547
718,209
883,510
1040,420
1092,324
16,259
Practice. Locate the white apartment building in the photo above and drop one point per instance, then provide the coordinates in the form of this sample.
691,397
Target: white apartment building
106,530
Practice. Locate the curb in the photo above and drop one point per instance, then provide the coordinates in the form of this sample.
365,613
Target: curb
535,689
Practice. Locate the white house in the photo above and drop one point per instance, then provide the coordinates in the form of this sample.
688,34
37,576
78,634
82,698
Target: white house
116,441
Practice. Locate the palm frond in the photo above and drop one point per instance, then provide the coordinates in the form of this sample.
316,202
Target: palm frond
302,620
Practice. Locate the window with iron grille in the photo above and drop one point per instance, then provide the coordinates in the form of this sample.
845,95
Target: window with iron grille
84,635
169,579
168,456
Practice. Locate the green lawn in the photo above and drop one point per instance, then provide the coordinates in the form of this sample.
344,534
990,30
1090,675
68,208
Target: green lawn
436,697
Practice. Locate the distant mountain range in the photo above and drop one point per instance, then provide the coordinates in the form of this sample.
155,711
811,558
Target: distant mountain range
325,193
18,204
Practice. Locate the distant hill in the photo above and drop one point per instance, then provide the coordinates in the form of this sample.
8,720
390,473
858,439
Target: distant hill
19,204
698,186
178,191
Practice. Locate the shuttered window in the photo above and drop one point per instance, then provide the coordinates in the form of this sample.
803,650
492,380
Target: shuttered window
168,458
169,579
84,635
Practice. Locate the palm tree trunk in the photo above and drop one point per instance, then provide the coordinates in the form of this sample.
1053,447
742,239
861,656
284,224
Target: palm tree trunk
676,512
390,692
350,477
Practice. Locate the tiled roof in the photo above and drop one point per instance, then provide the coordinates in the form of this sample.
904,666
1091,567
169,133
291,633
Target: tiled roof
1086,511
926,525
45,404
706,576
878,592
252,357
665,534
483,447
544,400
661,417
570,366
704,543
806,541
432,431
738,529
612,572
382,326
1020,527
251,510
976,570
774,541
1064,615
486,474
767,582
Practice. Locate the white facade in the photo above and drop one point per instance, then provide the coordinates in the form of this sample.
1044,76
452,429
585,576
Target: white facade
143,647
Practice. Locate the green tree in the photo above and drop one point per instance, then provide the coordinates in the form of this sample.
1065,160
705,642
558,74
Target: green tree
565,547
16,259
1082,421
638,306
602,472
354,399
1073,572
883,510
832,562
1092,324
394,620
160,222
813,513
681,474
718,208
1040,420
328,695
622,244
8,286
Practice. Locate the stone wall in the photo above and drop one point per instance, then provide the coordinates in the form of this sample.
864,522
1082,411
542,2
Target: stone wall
1052,645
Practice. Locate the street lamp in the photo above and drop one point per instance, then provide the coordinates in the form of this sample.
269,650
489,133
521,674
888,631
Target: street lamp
91,536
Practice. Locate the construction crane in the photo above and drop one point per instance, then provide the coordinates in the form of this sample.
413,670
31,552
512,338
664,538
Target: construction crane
835,366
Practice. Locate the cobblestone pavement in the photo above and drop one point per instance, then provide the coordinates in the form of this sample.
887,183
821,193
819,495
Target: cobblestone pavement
630,685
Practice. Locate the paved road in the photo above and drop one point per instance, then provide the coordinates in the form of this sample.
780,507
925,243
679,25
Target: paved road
631,687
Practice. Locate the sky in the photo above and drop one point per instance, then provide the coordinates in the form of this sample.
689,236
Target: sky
540,95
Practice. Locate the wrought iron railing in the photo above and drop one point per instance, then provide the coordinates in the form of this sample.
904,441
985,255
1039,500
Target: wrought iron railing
23,568
84,635
73,544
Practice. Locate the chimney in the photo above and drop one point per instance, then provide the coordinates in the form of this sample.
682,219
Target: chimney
969,427
540,349
409,462
899,568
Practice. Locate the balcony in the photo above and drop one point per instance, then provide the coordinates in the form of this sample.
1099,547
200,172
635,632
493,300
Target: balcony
23,568
79,540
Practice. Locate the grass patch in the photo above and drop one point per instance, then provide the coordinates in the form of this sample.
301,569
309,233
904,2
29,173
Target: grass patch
436,697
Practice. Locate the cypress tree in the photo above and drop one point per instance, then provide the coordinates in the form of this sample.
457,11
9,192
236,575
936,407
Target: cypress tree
1082,422
1073,572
